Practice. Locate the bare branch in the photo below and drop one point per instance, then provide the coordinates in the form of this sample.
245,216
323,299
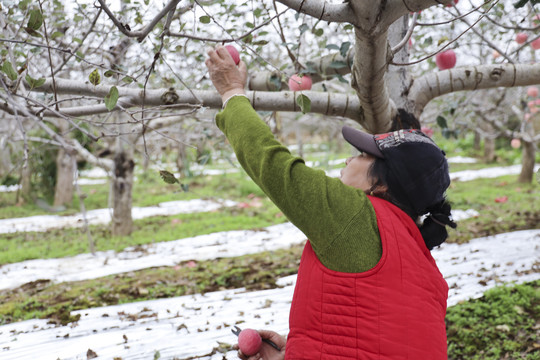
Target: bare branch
140,34
434,84
322,10
321,103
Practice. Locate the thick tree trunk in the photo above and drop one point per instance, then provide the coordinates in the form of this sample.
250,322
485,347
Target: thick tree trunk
477,142
5,157
65,172
122,222
489,149
527,163
398,77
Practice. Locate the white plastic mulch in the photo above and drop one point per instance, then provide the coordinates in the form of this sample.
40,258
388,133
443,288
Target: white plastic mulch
103,216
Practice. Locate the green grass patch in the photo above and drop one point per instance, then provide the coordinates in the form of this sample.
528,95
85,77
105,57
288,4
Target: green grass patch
69,242
503,324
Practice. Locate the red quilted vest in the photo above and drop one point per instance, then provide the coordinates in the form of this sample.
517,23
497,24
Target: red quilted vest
394,311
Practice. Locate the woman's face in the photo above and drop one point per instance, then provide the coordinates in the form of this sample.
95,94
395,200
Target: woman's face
355,172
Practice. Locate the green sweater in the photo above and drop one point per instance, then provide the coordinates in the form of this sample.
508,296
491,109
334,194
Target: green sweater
338,219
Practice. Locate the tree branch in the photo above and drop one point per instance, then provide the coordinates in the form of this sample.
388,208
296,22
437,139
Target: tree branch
434,84
322,10
321,102
140,34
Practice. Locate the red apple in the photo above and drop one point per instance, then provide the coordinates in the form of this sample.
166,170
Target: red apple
249,342
521,37
446,59
454,3
536,44
532,91
515,143
299,83
234,53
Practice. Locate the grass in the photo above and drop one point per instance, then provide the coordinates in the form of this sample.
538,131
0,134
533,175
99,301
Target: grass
503,324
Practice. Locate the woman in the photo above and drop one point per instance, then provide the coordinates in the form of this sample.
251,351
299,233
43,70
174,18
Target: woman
367,286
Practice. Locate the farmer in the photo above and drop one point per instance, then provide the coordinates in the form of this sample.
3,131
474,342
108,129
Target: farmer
367,286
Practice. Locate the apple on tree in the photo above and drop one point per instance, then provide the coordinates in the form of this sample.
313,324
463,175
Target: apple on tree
521,37
446,59
454,3
300,82
536,44
234,53
532,91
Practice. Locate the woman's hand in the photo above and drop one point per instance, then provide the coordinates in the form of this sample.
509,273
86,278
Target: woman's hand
228,79
267,352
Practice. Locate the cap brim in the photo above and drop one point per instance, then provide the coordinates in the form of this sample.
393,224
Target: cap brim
362,141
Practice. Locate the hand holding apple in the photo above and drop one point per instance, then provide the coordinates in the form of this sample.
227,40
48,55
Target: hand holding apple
227,78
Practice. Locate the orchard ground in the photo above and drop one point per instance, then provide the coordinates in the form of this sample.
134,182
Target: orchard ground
238,267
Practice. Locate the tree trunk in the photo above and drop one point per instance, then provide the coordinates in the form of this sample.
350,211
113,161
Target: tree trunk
477,141
5,157
65,171
398,77
24,194
527,163
122,222
489,149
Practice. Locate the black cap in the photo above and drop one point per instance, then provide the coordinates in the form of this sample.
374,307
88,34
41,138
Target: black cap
418,170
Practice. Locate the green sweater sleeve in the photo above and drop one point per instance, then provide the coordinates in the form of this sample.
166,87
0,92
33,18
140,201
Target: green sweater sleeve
338,219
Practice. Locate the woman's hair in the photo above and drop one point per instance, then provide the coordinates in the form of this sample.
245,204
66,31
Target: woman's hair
433,228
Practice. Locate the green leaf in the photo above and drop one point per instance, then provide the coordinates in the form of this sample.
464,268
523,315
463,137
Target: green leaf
109,73
111,98
34,83
36,20
23,4
304,102
205,19
344,48
441,121
332,47
168,177
7,68
57,34
32,32
318,32
94,77
127,79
